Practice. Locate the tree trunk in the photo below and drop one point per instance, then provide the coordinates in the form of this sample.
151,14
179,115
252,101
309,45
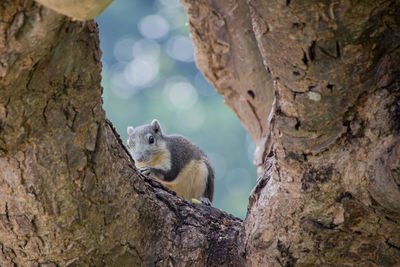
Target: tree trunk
69,194
330,193
320,81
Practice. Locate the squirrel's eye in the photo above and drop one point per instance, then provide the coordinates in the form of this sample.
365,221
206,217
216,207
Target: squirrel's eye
151,139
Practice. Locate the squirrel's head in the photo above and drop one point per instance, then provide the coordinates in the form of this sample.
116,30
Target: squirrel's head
146,141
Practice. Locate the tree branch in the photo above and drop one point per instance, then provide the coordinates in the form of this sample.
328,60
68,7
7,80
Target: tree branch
77,9
69,192
227,54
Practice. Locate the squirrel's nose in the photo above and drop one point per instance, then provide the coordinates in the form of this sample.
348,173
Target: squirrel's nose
140,157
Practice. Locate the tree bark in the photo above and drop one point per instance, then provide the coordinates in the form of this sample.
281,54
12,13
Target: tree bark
227,54
69,194
316,84
329,194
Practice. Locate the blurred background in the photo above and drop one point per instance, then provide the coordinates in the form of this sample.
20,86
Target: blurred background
149,72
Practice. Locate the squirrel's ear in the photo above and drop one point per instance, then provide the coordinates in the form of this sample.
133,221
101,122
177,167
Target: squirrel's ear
156,125
129,130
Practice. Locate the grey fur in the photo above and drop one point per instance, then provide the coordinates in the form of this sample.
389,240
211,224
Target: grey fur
209,193
138,144
182,151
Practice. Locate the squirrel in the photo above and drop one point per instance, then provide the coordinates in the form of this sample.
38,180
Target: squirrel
172,160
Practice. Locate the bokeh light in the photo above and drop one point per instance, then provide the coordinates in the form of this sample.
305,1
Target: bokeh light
239,178
146,49
185,122
149,72
141,72
123,49
181,94
180,48
153,27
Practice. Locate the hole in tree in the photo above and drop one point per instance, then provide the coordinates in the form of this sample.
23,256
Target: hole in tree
251,93
297,126
298,25
337,49
305,59
149,72
311,51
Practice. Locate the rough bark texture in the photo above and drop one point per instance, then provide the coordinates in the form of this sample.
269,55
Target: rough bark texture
330,193
227,54
69,194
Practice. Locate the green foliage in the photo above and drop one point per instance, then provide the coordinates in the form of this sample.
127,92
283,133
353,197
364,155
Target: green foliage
149,73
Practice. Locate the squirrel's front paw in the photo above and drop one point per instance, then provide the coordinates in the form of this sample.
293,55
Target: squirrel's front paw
145,170
202,200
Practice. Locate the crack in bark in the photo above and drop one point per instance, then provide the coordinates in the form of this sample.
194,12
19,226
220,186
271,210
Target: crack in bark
338,54
286,257
96,142
196,31
327,53
392,245
304,58
16,24
263,180
31,74
9,254
344,195
74,118
254,111
311,51
6,105
296,93
44,111
7,213
133,247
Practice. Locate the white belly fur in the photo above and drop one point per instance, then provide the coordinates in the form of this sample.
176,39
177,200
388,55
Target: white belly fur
191,181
